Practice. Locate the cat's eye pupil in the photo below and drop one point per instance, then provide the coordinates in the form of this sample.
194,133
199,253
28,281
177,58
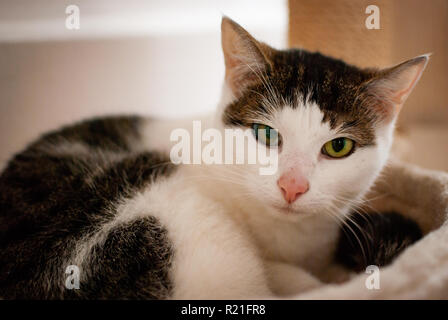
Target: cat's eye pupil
338,144
266,135
268,132
338,148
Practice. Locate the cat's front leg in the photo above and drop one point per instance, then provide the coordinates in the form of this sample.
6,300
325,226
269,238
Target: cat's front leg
220,272
336,273
286,279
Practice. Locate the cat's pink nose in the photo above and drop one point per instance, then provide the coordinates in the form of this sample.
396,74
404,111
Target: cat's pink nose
292,185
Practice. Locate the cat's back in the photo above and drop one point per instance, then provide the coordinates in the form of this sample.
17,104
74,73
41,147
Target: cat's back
58,202
90,196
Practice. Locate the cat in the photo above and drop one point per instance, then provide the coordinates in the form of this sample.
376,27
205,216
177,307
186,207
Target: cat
104,197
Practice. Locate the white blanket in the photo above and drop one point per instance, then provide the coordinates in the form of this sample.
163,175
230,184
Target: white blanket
421,271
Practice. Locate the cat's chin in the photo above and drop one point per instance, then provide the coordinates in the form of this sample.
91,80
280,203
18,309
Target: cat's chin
288,211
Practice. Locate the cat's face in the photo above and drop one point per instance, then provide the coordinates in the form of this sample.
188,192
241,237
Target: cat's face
333,122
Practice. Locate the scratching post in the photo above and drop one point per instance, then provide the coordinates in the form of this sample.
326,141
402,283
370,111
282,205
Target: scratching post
337,28
408,28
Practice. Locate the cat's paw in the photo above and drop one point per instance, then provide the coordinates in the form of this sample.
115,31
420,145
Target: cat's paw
287,279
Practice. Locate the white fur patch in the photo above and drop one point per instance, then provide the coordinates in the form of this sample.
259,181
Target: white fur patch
223,219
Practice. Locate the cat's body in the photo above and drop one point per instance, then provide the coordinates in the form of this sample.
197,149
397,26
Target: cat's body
104,196
136,225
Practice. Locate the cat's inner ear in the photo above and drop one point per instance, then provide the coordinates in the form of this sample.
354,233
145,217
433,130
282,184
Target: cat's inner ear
245,58
392,86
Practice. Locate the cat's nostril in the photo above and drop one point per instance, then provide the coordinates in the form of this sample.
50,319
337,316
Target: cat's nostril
283,191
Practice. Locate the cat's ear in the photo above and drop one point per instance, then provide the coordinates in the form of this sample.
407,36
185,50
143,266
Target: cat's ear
245,58
390,88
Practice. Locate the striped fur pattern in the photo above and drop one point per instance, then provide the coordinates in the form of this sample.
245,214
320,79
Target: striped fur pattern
58,200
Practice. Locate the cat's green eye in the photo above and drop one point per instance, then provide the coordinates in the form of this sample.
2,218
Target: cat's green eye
338,148
266,135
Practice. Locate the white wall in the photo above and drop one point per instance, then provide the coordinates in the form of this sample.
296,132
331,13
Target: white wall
160,58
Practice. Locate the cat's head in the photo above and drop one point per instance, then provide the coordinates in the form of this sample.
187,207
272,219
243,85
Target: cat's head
334,121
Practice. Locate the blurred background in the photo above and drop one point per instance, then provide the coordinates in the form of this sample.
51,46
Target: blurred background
163,58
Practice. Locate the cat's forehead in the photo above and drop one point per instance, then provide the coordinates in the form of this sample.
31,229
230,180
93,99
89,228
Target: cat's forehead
330,83
305,82
303,125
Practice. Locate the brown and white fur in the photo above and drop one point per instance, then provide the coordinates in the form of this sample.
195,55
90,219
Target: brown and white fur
226,231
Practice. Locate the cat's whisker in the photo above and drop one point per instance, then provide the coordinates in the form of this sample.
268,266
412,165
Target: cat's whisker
352,203
360,243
